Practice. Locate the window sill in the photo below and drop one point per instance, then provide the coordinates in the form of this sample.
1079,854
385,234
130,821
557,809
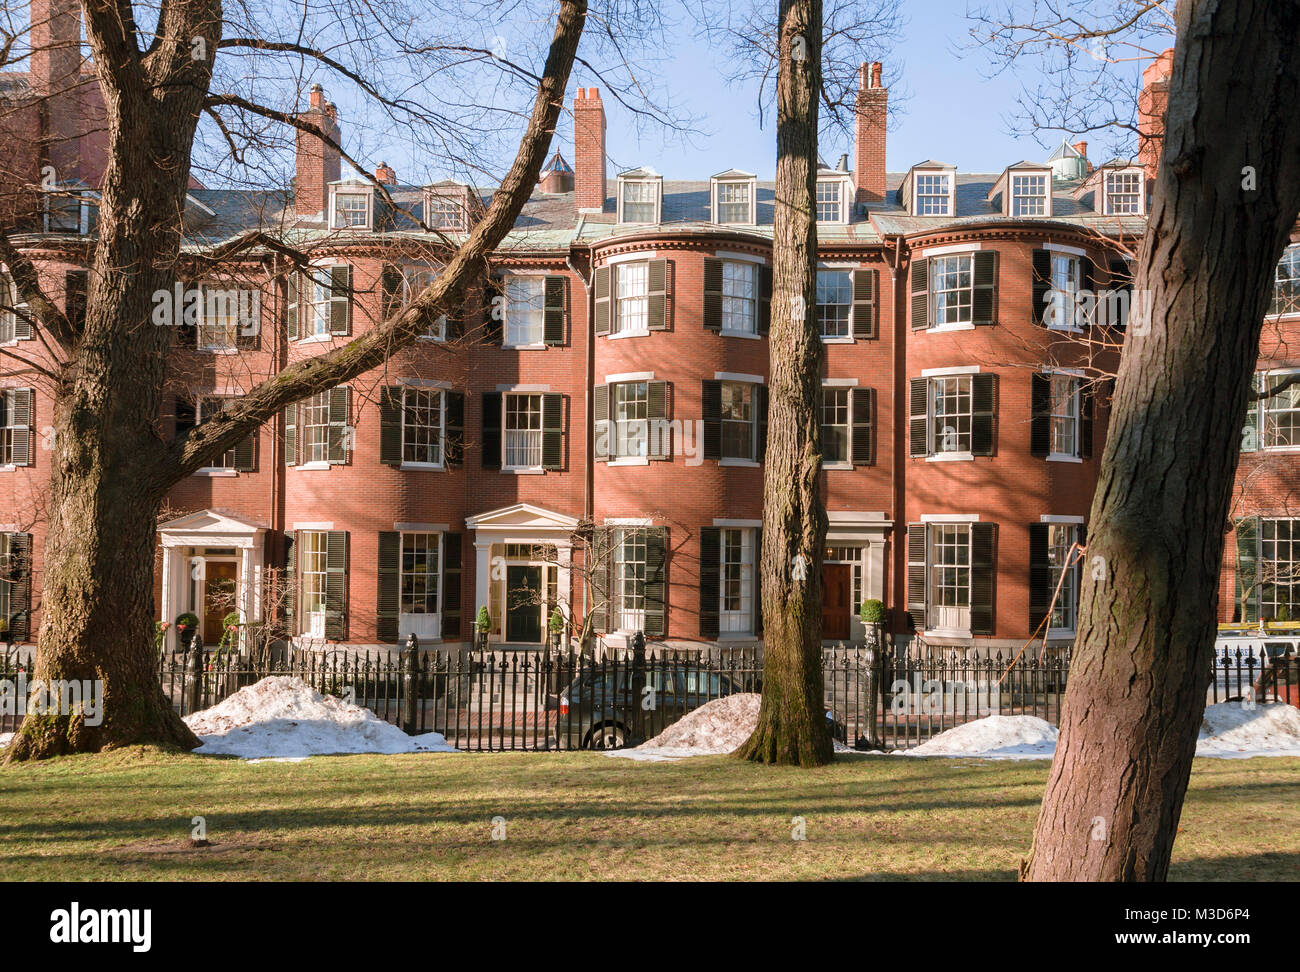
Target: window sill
316,339
836,339
1279,449
838,466
750,335
313,466
8,467
737,636
535,346
431,337
216,472
614,336
523,470
946,328
945,633
428,466
741,463
951,457
1058,457
217,350
629,461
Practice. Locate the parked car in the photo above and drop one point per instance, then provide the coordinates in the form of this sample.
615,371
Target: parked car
1279,677
1272,663
597,710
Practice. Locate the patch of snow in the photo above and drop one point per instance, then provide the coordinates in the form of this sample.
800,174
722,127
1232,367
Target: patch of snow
282,717
1232,731
1229,731
994,737
4,739
717,727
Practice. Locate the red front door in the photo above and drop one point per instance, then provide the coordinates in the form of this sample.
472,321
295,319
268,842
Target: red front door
837,582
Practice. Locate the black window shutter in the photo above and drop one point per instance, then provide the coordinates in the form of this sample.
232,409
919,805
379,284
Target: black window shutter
866,286
289,587
764,299
1087,406
598,558
1042,286
1121,282
660,445
760,414
659,296
601,286
1040,421
76,283
18,575
491,440
340,437
553,432
711,408
493,305
453,404
341,300
920,294
601,427
916,571
710,581
983,420
452,584
246,453
291,434
390,425
919,417
712,313
983,555
389,575
656,600
864,426
336,584
1247,584
1040,575
391,284
556,314
984,300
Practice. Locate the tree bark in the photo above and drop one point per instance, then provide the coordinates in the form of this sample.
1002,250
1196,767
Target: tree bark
792,726
111,472
1143,655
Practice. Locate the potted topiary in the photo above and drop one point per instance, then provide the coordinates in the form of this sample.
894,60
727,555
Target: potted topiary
557,627
872,614
482,626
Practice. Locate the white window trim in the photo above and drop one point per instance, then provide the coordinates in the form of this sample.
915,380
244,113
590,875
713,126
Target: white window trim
1046,196
946,372
751,183
950,517
83,216
525,391
1141,194
736,376
442,431
629,376
367,191
1062,520
658,183
847,196
951,457
952,193
505,323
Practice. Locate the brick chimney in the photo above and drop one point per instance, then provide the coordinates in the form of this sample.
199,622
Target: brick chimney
385,174
56,80
871,110
318,164
588,150
1152,104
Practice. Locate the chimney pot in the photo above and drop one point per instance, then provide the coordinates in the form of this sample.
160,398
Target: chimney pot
385,174
1081,148
875,74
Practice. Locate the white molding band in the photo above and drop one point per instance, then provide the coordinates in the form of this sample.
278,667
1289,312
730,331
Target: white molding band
950,517
630,376
628,257
1049,518
720,522
523,388
952,248
958,370
314,526
422,527
736,376
1062,248
839,383
743,257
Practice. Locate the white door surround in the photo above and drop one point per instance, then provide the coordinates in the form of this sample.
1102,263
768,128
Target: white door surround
183,541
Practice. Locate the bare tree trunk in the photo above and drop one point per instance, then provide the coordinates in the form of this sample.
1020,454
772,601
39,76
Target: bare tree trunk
1146,631
791,723
111,470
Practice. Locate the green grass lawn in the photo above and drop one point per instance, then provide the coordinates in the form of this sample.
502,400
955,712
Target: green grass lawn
126,815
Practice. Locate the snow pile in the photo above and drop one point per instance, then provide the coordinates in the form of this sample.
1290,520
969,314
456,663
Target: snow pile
1232,731
717,727
284,717
4,739
994,737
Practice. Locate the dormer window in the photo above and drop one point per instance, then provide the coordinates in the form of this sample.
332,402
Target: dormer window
640,197
1029,194
67,211
733,199
447,206
934,194
351,210
1124,192
830,201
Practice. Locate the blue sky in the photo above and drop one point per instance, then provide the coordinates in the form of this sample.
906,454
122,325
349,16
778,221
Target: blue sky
954,111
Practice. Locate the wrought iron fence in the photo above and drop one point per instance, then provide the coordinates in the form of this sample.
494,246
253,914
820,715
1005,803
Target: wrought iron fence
490,700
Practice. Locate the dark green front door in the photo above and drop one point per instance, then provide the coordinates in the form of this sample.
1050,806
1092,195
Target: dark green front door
523,605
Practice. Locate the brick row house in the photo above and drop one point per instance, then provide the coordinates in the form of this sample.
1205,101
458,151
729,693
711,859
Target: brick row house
608,378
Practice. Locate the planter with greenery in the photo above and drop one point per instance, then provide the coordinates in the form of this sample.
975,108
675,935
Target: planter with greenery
872,614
